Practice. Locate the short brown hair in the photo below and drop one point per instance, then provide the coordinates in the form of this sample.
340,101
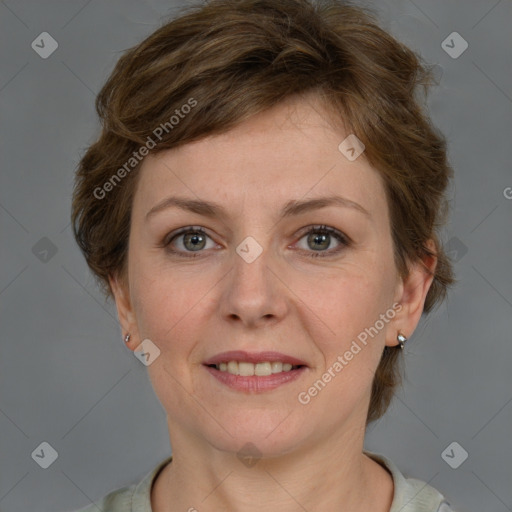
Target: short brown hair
231,59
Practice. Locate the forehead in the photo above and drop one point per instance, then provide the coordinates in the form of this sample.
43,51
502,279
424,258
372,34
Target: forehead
287,152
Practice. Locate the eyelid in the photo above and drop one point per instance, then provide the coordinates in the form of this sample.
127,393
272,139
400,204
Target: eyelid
168,239
341,237
344,240
326,228
181,231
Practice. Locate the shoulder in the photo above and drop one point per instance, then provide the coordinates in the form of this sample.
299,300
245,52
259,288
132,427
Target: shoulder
132,498
418,496
119,500
411,494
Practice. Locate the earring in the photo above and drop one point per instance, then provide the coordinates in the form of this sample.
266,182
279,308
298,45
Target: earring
127,338
401,340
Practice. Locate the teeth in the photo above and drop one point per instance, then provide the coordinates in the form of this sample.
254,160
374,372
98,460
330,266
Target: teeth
263,369
277,366
233,367
246,369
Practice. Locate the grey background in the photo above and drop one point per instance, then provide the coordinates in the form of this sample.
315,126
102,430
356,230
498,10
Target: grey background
67,379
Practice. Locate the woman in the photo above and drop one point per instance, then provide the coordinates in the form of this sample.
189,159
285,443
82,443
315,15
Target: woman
262,205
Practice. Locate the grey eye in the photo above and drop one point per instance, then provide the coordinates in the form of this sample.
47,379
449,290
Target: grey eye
321,241
196,240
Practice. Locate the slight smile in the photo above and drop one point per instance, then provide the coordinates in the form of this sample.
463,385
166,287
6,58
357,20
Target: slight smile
254,372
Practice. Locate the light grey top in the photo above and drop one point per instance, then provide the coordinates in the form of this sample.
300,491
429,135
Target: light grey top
410,494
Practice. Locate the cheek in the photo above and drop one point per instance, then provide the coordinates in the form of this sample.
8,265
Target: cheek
351,352
172,306
350,304
357,290
160,308
165,315
156,298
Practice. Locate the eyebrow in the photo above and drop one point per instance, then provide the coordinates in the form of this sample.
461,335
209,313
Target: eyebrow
291,208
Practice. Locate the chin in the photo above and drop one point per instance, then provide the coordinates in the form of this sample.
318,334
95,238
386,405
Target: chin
256,434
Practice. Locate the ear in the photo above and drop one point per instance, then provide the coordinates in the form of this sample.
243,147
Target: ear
125,313
411,294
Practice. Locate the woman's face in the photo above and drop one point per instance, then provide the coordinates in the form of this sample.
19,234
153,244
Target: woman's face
263,278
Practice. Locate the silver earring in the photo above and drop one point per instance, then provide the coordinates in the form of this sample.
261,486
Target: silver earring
401,340
127,338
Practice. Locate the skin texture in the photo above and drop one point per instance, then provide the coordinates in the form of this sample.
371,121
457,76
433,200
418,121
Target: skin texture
285,300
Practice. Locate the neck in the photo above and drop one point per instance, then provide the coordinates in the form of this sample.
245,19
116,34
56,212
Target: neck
331,475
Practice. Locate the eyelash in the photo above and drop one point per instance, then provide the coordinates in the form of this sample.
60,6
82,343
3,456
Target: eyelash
322,229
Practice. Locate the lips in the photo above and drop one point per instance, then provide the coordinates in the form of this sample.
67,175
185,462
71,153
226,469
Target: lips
248,372
254,358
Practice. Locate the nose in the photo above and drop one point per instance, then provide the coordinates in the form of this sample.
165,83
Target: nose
253,292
